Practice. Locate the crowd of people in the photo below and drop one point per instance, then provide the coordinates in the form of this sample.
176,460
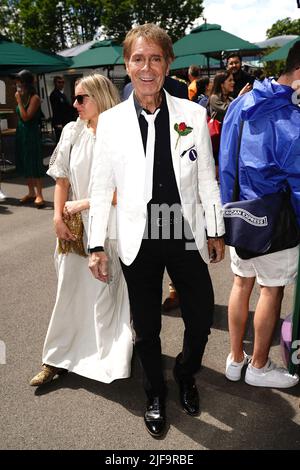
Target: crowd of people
139,178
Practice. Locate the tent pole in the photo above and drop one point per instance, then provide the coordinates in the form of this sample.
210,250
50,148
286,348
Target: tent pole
47,97
208,69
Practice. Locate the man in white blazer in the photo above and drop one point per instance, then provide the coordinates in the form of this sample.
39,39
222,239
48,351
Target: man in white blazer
155,150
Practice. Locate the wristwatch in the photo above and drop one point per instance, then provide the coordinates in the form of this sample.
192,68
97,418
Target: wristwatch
97,248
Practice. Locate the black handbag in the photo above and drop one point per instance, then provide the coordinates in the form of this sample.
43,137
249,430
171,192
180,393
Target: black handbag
260,226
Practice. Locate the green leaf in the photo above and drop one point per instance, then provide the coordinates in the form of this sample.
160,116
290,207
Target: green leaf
186,131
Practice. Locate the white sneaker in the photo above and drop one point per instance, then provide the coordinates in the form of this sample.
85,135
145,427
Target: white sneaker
270,376
2,196
233,369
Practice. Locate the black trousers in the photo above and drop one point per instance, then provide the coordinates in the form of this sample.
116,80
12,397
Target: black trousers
191,279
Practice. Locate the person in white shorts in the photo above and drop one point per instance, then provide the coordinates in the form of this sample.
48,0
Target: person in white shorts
272,272
268,163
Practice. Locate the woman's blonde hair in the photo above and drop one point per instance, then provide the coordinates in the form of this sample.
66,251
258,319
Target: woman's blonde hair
101,89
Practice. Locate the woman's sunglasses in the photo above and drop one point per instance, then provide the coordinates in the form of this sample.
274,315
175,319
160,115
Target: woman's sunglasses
80,98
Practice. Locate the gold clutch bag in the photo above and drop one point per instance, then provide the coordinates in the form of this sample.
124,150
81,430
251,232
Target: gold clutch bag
75,225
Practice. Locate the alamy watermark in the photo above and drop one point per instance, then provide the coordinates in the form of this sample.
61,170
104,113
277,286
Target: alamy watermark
296,94
296,354
166,222
2,352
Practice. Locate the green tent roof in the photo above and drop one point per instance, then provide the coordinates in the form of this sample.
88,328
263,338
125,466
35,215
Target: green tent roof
211,39
281,53
185,61
101,53
14,56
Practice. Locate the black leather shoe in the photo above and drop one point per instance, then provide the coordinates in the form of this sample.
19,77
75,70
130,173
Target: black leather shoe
188,394
171,303
154,417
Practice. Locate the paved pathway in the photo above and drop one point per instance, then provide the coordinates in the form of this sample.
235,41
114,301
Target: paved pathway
76,413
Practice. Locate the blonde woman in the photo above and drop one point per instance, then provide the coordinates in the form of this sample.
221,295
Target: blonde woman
89,331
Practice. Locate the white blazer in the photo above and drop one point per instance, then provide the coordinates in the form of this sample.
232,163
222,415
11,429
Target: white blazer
119,162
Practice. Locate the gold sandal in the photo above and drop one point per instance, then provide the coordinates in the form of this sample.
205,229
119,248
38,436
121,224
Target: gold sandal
27,198
46,375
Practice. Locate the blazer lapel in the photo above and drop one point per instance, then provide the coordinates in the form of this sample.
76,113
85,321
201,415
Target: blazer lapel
134,141
175,149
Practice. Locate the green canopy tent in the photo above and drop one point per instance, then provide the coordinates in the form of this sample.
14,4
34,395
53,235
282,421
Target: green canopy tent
104,53
185,61
281,53
14,57
210,40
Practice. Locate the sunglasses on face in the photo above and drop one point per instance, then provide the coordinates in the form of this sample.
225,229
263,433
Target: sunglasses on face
80,98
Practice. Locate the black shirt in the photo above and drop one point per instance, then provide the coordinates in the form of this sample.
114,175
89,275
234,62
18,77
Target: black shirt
165,190
164,183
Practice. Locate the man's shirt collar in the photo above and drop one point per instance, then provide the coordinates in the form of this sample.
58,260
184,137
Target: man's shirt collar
139,108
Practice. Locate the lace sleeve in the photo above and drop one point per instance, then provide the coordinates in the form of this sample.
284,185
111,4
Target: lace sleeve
60,159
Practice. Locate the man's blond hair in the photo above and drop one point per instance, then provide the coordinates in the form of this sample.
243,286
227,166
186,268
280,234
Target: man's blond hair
152,33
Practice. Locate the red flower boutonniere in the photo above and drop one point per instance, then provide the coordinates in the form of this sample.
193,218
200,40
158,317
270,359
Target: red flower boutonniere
182,129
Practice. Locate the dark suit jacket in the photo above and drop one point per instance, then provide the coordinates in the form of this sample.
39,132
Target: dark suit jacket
62,110
240,80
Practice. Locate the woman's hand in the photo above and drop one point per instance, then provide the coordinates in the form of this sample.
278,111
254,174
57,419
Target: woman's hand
71,207
245,89
18,97
62,231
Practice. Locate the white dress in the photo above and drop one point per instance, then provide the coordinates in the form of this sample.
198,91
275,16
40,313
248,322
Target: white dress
89,331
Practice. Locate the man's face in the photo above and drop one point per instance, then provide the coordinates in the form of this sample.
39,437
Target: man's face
60,83
234,64
147,68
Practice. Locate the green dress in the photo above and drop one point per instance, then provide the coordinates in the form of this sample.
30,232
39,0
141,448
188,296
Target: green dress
29,147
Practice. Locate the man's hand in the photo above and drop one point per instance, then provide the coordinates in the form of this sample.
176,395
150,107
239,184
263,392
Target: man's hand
216,249
114,201
98,264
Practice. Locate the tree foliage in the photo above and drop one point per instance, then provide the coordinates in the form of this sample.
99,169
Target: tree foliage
273,68
55,25
9,17
281,27
173,15
38,24
117,18
50,24
82,19
285,26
